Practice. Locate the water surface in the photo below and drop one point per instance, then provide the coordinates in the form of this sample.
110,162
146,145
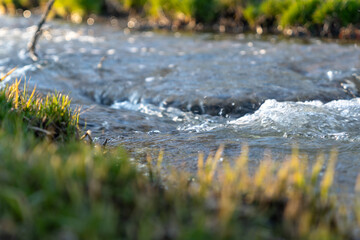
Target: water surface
189,93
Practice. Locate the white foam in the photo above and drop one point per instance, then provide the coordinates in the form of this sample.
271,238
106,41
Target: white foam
338,120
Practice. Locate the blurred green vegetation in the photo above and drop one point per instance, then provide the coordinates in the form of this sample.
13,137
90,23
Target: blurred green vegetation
63,188
253,12
300,13
344,12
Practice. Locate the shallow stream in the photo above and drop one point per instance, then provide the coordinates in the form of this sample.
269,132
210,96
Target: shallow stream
189,93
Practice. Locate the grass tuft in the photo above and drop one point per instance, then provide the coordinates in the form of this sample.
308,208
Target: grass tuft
49,117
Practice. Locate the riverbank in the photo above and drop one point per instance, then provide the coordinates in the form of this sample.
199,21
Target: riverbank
305,18
53,185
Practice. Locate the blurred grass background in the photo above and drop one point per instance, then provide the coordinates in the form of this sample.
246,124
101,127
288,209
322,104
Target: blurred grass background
274,13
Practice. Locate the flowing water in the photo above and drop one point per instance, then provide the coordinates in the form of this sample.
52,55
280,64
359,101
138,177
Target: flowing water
189,93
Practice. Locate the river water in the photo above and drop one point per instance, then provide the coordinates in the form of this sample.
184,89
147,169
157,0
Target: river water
189,93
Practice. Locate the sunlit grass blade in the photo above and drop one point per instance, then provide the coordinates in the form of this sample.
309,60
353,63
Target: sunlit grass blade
329,175
30,99
317,168
7,74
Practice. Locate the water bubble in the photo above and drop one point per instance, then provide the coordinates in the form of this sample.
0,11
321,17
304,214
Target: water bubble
177,119
131,24
111,52
330,75
149,79
288,32
27,14
76,18
90,21
259,30
154,132
133,49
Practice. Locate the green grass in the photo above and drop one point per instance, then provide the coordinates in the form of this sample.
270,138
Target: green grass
49,116
299,13
342,12
310,14
251,14
62,188
274,8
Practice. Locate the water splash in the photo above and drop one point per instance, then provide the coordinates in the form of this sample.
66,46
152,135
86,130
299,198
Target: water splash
337,120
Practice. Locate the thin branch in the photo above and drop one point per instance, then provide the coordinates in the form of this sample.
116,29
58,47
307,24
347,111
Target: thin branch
87,134
41,130
34,40
106,141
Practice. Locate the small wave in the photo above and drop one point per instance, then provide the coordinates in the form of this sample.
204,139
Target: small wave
174,114
339,120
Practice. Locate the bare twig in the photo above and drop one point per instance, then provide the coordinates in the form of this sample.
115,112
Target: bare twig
106,141
88,135
34,40
36,129
100,65
87,110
